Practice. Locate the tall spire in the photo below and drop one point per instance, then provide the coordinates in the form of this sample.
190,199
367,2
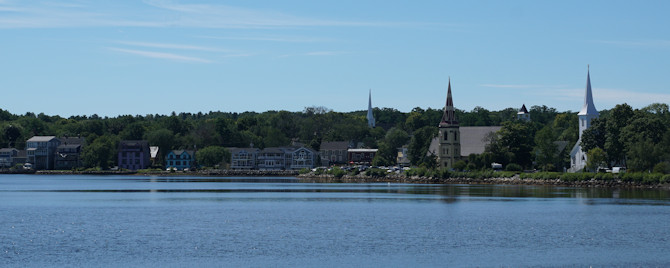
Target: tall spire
589,108
371,118
449,115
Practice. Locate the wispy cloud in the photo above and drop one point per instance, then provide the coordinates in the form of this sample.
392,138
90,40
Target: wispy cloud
518,86
608,97
158,13
637,43
272,38
316,53
160,55
172,46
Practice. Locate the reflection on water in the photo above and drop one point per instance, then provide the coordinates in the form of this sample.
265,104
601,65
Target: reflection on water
180,221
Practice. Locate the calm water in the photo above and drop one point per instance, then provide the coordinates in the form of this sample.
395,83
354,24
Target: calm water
260,222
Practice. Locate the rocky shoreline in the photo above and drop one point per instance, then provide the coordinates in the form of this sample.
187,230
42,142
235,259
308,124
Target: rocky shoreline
361,178
515,180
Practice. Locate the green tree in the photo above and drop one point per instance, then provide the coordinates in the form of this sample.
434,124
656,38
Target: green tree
212,155
513,143
596,158
546,151
418,146
100,153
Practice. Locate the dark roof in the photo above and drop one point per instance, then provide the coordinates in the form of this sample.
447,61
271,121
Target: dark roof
335,145
69,146
8,150
523,109
41,138
134,143
473,140
235,150
72,140
180,152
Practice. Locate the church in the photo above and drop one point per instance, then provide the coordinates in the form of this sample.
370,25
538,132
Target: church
588,112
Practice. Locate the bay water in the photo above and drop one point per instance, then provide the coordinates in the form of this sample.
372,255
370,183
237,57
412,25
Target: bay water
143,221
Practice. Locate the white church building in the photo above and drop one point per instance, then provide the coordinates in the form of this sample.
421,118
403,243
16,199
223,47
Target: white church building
588,113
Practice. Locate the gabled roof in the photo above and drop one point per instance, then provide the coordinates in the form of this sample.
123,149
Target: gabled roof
41,138
72,140
335,145
235,150
473,140
523,109
181,152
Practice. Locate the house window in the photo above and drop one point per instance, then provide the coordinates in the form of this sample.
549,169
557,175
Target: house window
455,136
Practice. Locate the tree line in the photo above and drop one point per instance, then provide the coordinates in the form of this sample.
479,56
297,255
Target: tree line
623,134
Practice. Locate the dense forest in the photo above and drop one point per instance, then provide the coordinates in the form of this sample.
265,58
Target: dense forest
639,138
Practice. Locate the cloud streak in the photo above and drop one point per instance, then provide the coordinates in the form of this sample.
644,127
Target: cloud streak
172,46
159,13
160,55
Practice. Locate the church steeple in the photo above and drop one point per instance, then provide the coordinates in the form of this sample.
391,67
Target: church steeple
449,114
449,136
371,118
589,108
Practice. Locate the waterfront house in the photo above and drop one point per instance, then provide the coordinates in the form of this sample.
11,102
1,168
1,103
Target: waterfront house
473,140
274,158
243,158
41,151
334,152
361,156
68,153
7,156
134,154
302,158
180,159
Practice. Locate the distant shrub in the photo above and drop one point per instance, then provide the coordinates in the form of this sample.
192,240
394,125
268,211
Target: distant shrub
304,171
460,165
663,168
337,172
375,172
513,167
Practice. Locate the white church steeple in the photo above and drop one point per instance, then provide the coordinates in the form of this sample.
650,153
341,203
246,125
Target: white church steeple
371,118
586,115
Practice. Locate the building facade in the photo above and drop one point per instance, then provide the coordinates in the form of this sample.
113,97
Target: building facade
334,152
588,112
41,151
180,159
7,157
303,158
243,158
134,155
449,135
68,153
361,156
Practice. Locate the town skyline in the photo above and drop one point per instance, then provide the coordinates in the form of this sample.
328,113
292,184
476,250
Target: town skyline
72,58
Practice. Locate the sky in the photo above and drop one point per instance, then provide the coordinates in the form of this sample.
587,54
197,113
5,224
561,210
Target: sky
112,58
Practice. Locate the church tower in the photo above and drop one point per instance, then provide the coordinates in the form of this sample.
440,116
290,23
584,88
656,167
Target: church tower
449,136
371,118
523,114
588,113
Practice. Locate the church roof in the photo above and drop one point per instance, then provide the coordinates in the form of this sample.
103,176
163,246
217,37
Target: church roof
449,115
523,109
589,108
473,140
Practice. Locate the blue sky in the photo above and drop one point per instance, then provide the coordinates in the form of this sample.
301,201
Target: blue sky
146,57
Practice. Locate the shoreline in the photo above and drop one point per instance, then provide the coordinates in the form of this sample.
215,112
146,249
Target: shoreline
361,178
